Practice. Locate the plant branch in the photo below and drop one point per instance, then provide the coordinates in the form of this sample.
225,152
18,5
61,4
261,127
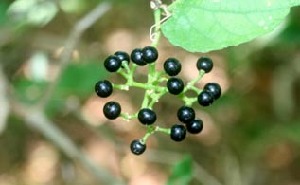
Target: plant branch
4,111
84,23
35,116
36,119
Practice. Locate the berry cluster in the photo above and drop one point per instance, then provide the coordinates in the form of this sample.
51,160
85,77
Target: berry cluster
154,90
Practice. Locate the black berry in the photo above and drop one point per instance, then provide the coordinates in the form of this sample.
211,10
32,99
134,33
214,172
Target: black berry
137,57
122,56
175,86
147,116
112,63
137,147
103,88
205,64
172,66
177,132
150,54
205,98
186,114
112,110
194,126
214,89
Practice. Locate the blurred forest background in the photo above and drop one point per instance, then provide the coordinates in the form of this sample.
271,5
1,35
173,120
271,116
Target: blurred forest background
52,130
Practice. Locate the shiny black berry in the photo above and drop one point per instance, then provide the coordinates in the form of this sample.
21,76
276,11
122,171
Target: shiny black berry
172,66
137,57
122,56
137,147
194,126
205,64
103,88
150,54
185,114
205,98
147,116
112,110
177,132
214,89
175,86
112,63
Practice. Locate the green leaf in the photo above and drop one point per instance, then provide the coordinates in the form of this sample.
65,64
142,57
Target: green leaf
80,79
182,172
3,9
205,25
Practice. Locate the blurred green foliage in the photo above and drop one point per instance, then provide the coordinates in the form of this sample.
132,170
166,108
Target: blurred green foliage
182,172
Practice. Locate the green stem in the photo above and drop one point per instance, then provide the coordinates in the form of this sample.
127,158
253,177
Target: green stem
163,130
199,77
126,66
155,97
127,116
145,103
152,129
121,86
157,19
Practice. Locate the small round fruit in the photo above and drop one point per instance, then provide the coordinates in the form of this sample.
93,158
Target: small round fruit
194,126
122,56
175,86
172,66
185,114
214,89
137,57
147,116
178,132
112,63
150,54
205,98
137,147
103,88
112,110
205,64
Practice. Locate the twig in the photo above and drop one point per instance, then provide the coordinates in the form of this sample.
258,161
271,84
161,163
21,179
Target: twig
71,42
4,111
36,119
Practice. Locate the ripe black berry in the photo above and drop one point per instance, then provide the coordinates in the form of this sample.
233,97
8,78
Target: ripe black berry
177,132
112,110
172,66
194,126
150,54
214,89
137,147
112,63
205,98
205,64
186,114
147,116
103,88
175,86
137,57
122,56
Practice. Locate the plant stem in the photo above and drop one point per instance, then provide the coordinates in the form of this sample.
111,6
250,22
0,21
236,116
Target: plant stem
199,77
157,19
164,130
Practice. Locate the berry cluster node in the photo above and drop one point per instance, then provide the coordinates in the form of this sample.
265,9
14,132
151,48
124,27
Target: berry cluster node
188,122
